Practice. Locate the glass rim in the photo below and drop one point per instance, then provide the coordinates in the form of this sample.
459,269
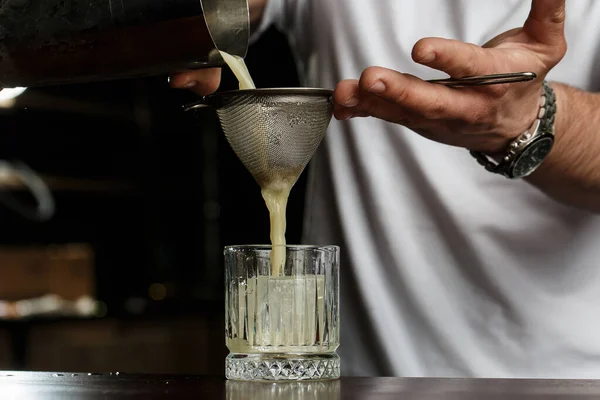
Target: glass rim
296,247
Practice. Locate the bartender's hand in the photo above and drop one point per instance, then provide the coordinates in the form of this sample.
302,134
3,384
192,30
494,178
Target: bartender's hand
482,119
202,81
206,81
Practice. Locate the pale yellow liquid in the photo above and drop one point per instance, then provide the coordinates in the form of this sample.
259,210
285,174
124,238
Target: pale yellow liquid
275,193
239,69
283,314
276,197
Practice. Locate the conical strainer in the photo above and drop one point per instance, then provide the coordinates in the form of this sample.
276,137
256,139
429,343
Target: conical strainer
274,132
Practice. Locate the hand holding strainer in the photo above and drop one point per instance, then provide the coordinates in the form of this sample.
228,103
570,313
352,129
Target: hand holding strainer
275,132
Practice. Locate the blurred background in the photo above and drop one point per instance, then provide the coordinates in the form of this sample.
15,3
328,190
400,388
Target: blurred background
127,273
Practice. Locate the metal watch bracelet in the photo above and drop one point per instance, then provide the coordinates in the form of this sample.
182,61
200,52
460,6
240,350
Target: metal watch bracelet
543,123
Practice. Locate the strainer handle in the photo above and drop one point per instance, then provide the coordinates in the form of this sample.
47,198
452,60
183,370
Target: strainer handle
481,80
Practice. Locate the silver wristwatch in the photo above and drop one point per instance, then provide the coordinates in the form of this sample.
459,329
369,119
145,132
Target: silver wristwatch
527,152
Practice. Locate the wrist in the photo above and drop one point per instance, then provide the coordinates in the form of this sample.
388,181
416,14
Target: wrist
528,150
510,128
529,125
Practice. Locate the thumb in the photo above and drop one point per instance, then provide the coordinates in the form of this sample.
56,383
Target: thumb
454,57
546,21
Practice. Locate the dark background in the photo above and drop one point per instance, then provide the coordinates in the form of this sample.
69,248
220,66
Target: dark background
156,193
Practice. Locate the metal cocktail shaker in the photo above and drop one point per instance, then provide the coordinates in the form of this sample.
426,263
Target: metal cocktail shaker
46,42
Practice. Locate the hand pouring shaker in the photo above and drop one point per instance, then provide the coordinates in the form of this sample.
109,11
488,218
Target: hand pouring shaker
47,42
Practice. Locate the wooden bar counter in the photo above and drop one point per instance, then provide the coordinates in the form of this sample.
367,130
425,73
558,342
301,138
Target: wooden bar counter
120,386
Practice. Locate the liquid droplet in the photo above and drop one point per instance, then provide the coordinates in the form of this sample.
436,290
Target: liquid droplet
57,375
74,374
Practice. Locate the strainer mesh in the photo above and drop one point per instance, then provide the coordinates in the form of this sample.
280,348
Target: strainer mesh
275,134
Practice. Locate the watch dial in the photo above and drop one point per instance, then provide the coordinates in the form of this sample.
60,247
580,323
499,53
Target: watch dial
532,157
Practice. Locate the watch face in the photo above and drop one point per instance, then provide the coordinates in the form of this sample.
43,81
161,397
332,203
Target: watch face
532,157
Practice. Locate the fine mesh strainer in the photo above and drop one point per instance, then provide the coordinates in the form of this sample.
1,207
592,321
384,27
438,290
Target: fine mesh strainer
274,132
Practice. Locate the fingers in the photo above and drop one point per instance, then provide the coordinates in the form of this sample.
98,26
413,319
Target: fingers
345,99
414,94
394,96
202,81
453,57
546,21
368,105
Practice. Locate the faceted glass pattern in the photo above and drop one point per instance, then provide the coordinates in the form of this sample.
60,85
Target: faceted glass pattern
283,327
293,369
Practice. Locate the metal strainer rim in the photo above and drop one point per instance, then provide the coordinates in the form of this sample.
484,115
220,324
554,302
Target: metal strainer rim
278,90
206,101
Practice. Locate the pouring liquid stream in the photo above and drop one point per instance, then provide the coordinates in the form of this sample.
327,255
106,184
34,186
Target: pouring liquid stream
275,192
239,69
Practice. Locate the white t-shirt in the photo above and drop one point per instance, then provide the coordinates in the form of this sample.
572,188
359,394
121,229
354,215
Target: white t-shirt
447,270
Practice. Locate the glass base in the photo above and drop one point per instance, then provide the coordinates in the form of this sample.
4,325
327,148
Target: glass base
282,367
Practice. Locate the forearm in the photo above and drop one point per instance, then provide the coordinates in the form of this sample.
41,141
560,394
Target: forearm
571,173
257,8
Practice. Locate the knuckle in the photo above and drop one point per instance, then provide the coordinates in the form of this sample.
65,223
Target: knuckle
559,17
403,92
471,62
469,68
436,110
366,107
496,92
553,54
369,76
561,48
371,109
482,116
339,98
